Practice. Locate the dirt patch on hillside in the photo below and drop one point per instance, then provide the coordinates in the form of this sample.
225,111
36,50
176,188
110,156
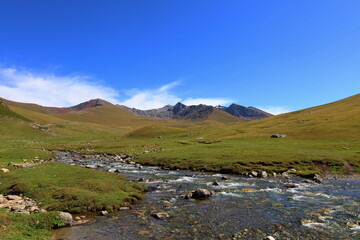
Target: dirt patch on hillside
348,168
324,168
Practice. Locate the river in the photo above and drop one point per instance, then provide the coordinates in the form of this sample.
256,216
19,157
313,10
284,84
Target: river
242,208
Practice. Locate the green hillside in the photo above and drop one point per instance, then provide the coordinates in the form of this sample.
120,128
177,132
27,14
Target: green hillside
6,112
322,139
319,139
316,137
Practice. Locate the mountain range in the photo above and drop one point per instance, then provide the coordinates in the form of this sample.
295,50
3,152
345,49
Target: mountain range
195,112
178,111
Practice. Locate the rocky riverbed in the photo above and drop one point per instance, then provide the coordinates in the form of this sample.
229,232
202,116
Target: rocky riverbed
237,208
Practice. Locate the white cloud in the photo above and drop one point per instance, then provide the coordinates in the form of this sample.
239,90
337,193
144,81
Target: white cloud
50,89
157,98
275,109
207,101
151,98
64,91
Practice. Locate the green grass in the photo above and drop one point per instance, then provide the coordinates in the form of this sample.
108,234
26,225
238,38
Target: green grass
243,155
30,227
6,112
56,186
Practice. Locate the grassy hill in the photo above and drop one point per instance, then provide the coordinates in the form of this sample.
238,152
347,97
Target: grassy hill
322,139
6,112
319,139
223,117
334,121
28,106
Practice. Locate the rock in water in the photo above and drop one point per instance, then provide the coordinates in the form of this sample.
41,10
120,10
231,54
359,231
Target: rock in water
317,178
160,215
215,183
104,213
269,238
66,218
200,193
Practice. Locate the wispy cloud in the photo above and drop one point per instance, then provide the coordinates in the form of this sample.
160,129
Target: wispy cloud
151,98
275,109
62,91
157,98
50,89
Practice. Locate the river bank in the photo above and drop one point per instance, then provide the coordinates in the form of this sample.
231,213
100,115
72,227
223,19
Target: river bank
58,187
242,208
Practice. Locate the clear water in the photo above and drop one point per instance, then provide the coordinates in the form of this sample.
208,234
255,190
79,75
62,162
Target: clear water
242,208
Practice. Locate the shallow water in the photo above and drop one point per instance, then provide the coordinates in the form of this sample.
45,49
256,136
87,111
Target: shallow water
242,208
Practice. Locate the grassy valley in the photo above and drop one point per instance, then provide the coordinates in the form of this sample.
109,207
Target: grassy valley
322,139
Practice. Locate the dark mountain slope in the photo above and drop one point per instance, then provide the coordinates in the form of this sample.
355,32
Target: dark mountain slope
248,113
198,112
162,113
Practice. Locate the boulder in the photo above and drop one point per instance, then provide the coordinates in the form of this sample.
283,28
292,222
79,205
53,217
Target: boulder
103,213
269,238
160,215
81,222
200,193
253,174
5,205
317,178
278,136
143,180
14,197
263,174
34,209
4,170
17,207
3,199
215,183
66,218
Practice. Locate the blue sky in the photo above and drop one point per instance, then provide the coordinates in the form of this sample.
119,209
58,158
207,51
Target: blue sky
277,55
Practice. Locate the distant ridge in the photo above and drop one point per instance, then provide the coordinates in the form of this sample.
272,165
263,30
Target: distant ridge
41,109
195,112
88,104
